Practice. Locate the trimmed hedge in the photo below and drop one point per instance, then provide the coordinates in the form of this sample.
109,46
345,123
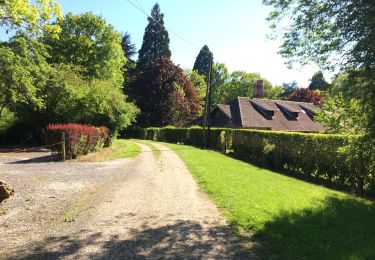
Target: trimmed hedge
189,136
323,157
79,139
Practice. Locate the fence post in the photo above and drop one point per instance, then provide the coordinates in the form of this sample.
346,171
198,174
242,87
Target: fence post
63,155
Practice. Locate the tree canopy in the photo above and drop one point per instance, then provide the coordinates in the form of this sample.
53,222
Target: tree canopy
307,95
318,82
86,40
155,40
164,95
334,34
202,62
36,18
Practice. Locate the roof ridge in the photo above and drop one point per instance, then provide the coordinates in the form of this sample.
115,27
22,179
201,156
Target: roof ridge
239,108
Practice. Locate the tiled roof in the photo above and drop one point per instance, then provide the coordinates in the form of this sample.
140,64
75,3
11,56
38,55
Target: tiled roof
272,114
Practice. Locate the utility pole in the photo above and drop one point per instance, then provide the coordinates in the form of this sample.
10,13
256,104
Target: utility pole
207,114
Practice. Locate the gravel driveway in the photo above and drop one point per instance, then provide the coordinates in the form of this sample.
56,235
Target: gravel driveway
145,208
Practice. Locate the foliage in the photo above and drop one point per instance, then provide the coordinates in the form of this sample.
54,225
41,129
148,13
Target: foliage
203,62
283,218
79,139
190,136
317,82
128,48
275,93
23,69
342,116
335,34
164,94
35,18
328,32
7,120
307,95
155,40
86,40
200,86
240,84
289,88
220,76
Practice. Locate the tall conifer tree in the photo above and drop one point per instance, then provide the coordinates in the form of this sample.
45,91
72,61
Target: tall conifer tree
202,62
155,40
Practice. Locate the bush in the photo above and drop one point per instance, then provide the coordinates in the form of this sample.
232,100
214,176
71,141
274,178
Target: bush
79,139
330,159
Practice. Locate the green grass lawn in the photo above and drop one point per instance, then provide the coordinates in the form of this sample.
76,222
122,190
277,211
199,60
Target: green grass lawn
284,217
119,149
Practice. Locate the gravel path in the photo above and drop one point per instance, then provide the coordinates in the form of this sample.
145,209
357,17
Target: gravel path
144,208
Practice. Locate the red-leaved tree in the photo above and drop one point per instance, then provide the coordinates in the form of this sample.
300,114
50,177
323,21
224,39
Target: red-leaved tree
164,95
307,95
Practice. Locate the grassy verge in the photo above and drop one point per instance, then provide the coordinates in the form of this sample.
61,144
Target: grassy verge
153,148
118,150
284,217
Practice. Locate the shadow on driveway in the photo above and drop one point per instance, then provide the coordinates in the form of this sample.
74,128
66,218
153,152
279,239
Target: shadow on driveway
182,240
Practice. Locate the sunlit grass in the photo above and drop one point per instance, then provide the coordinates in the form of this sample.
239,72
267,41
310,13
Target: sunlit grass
118,150
285,218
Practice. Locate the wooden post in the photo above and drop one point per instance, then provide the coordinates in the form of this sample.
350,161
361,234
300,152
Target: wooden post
63,155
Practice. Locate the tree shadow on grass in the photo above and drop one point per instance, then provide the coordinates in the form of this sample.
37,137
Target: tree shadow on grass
181,240
341,229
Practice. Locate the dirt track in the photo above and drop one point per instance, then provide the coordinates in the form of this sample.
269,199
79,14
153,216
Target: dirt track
147,207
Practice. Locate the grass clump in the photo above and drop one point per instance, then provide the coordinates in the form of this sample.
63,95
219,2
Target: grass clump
118,150
284,217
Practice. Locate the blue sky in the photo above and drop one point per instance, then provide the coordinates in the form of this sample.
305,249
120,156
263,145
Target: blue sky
235,31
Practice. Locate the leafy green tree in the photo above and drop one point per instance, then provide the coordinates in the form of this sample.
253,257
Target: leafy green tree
335,35
341,115
155,40
241,84
318,82
22,68
35,18
202,62
86,40
164,95
220,76
200,86
274,93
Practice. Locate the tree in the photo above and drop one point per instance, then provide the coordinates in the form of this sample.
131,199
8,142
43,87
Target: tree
202,62
335,35
306,95
289,88
129,50
164,95
240,84
342,116
220,76
317,82
155,40
36,18
86,40
200,86
274,93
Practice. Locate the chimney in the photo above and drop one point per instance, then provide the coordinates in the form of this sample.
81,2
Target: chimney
258,89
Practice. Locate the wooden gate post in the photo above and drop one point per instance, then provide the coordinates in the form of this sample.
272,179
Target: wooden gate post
63,155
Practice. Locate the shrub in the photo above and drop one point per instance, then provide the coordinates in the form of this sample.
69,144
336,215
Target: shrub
79,139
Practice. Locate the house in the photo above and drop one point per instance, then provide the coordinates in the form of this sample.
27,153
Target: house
264,114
